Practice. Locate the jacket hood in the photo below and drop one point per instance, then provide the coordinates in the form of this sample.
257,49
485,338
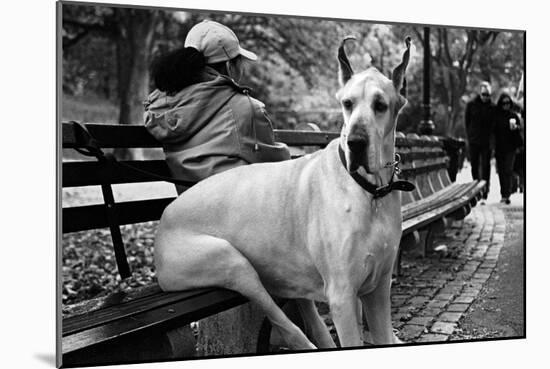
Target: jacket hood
504,95
176,118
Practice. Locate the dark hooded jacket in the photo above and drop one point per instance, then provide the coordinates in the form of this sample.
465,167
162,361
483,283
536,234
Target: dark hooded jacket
506,139
211,126
479,119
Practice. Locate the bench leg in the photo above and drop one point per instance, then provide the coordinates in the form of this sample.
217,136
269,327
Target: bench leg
425,242
397,264
461,213
182,342
408,242
234,331
419,243
457,223
177,343
436,228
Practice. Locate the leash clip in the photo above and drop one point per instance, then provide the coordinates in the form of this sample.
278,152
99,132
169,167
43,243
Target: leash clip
395,164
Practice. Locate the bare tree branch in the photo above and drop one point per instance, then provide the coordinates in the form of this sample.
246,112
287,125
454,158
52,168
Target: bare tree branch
106,29
445,39
468,51
69,42
418,34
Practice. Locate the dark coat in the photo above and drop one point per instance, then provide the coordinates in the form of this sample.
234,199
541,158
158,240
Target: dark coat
506,140
479,119
210,127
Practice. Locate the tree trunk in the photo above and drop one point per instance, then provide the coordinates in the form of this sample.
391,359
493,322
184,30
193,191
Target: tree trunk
134,42
456,103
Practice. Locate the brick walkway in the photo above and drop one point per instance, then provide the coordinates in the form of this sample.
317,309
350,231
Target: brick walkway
434,292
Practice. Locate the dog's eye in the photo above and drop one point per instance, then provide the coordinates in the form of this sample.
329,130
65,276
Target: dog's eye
380,106
347,103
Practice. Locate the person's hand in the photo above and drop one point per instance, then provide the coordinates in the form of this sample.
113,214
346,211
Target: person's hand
513,124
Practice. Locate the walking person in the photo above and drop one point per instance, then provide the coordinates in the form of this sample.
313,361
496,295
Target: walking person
206,121
507,141
479,121
519,162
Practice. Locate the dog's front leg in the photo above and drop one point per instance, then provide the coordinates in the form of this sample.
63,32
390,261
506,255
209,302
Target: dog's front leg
343,308
377,308
314,324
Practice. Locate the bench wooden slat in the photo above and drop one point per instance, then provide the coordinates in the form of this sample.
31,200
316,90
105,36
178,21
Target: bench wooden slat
449,193
112,299
439,198
90,173
422,220
411,209
304,138
421,169
411,142
128,136
81,218
174,314
133,136
422,155
111,136
106,314
94,216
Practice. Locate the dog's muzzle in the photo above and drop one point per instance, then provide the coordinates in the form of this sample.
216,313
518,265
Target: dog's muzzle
357,152
379,191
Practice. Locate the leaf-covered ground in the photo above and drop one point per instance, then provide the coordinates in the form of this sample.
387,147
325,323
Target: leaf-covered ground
88,260
89,266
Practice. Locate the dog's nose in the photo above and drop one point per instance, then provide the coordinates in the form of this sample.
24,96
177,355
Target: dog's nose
357,144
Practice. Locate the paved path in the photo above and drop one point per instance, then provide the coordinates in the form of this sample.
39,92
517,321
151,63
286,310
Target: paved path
435,292
498,311
474,289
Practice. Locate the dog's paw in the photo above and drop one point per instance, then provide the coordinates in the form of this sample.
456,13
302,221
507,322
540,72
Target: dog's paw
396,340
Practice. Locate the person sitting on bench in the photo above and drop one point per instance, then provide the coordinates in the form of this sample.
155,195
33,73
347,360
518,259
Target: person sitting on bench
206,121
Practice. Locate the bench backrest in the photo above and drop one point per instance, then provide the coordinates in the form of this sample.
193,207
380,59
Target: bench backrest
93,172
424,162
422,158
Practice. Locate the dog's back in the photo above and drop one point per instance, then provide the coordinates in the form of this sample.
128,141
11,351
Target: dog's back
256,209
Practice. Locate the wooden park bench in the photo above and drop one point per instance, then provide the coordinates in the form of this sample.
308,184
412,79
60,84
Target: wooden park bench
142,325
436,199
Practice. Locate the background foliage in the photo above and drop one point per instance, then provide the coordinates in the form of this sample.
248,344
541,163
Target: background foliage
107,50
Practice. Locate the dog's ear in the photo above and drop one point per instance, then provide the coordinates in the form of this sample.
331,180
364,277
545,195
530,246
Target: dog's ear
398,75
344,70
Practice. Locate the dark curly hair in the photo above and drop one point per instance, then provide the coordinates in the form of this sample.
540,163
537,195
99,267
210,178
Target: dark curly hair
176,70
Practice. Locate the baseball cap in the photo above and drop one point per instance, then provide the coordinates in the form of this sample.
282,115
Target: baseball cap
216,42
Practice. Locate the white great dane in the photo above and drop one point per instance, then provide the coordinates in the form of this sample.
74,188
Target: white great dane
323,227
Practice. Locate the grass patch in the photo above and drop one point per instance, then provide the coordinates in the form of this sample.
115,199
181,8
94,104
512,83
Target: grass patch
89,109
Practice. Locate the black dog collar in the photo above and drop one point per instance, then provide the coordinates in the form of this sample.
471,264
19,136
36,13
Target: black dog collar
376,191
